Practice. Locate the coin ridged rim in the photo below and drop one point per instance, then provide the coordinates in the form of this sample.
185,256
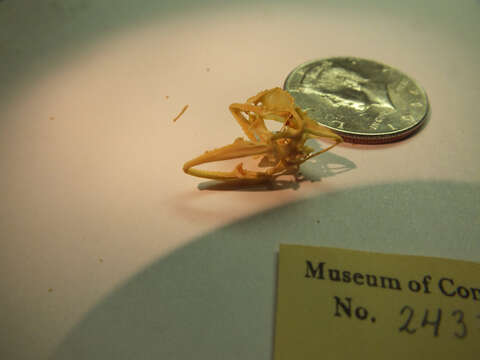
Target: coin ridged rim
363,138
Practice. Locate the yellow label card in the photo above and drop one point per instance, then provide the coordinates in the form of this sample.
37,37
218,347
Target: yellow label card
342,304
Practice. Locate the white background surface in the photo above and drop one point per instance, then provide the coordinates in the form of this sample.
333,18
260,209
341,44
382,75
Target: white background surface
93,194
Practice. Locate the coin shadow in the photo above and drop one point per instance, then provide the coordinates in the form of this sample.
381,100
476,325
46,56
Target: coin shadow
323,166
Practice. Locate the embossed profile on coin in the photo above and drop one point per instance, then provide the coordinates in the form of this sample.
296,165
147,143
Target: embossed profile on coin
362,100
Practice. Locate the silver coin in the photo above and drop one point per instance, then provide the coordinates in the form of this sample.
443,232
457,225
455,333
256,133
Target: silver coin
361,100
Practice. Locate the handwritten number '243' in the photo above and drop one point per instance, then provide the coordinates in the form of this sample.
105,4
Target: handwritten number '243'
434,320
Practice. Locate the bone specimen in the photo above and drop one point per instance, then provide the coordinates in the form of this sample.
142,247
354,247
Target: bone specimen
280,152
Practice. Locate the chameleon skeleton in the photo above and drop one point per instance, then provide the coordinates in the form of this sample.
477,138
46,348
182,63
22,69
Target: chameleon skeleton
281,152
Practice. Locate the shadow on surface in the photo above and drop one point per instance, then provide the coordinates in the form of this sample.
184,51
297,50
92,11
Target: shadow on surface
53,31
325,165
214,298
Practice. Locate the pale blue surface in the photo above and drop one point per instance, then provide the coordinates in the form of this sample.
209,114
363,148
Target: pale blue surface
214,299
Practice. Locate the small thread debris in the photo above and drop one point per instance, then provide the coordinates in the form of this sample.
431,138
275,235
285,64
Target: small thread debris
181,113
